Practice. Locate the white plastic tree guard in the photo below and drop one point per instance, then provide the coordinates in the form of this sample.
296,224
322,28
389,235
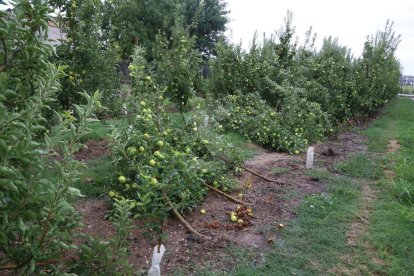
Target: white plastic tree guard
155,269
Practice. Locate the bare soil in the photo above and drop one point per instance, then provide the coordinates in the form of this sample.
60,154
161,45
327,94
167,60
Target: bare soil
272,204
93,149
393,146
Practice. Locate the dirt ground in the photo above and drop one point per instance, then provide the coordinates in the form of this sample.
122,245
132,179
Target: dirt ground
271,204
93,149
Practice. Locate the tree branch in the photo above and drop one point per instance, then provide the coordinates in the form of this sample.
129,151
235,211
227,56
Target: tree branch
6,58
225,195
12,266
254,173
182,220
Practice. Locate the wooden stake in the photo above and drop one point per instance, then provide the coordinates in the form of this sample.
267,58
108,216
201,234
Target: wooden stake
349,122
226,195
182,220
339,124
355,118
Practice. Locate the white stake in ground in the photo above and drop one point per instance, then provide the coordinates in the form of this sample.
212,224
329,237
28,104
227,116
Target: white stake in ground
206,119
155,269
309,158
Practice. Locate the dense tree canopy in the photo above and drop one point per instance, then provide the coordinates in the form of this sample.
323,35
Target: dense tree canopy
133,23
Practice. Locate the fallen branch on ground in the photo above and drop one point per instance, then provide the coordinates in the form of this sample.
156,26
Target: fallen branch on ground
254,173
349,122
182,220
339,124
12,266
355,118
226,195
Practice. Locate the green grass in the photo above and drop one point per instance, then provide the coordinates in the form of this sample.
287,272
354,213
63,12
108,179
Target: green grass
95,179
392,228
240,144
362,166
101,129
279,170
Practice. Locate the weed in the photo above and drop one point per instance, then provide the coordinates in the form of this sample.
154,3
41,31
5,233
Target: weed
279,170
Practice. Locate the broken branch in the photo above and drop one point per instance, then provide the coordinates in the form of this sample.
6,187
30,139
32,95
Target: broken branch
182,220
225,195
349,122
355,118
254,173
12,266
339,124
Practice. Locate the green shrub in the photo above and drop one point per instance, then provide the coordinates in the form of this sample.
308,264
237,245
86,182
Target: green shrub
291,129
37,168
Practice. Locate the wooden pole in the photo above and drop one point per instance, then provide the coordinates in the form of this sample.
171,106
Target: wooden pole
339,124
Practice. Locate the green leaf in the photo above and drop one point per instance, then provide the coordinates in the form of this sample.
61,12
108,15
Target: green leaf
75,192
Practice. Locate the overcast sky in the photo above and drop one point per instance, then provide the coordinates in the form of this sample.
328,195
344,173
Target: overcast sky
351,21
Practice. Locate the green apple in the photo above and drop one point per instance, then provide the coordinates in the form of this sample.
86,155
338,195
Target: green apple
132,150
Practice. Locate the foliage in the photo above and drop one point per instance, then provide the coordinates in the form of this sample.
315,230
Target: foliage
91,58
98,257
208,20
176,64
290,129
137,23
132,23
38,222
378,71
227,70
309,90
